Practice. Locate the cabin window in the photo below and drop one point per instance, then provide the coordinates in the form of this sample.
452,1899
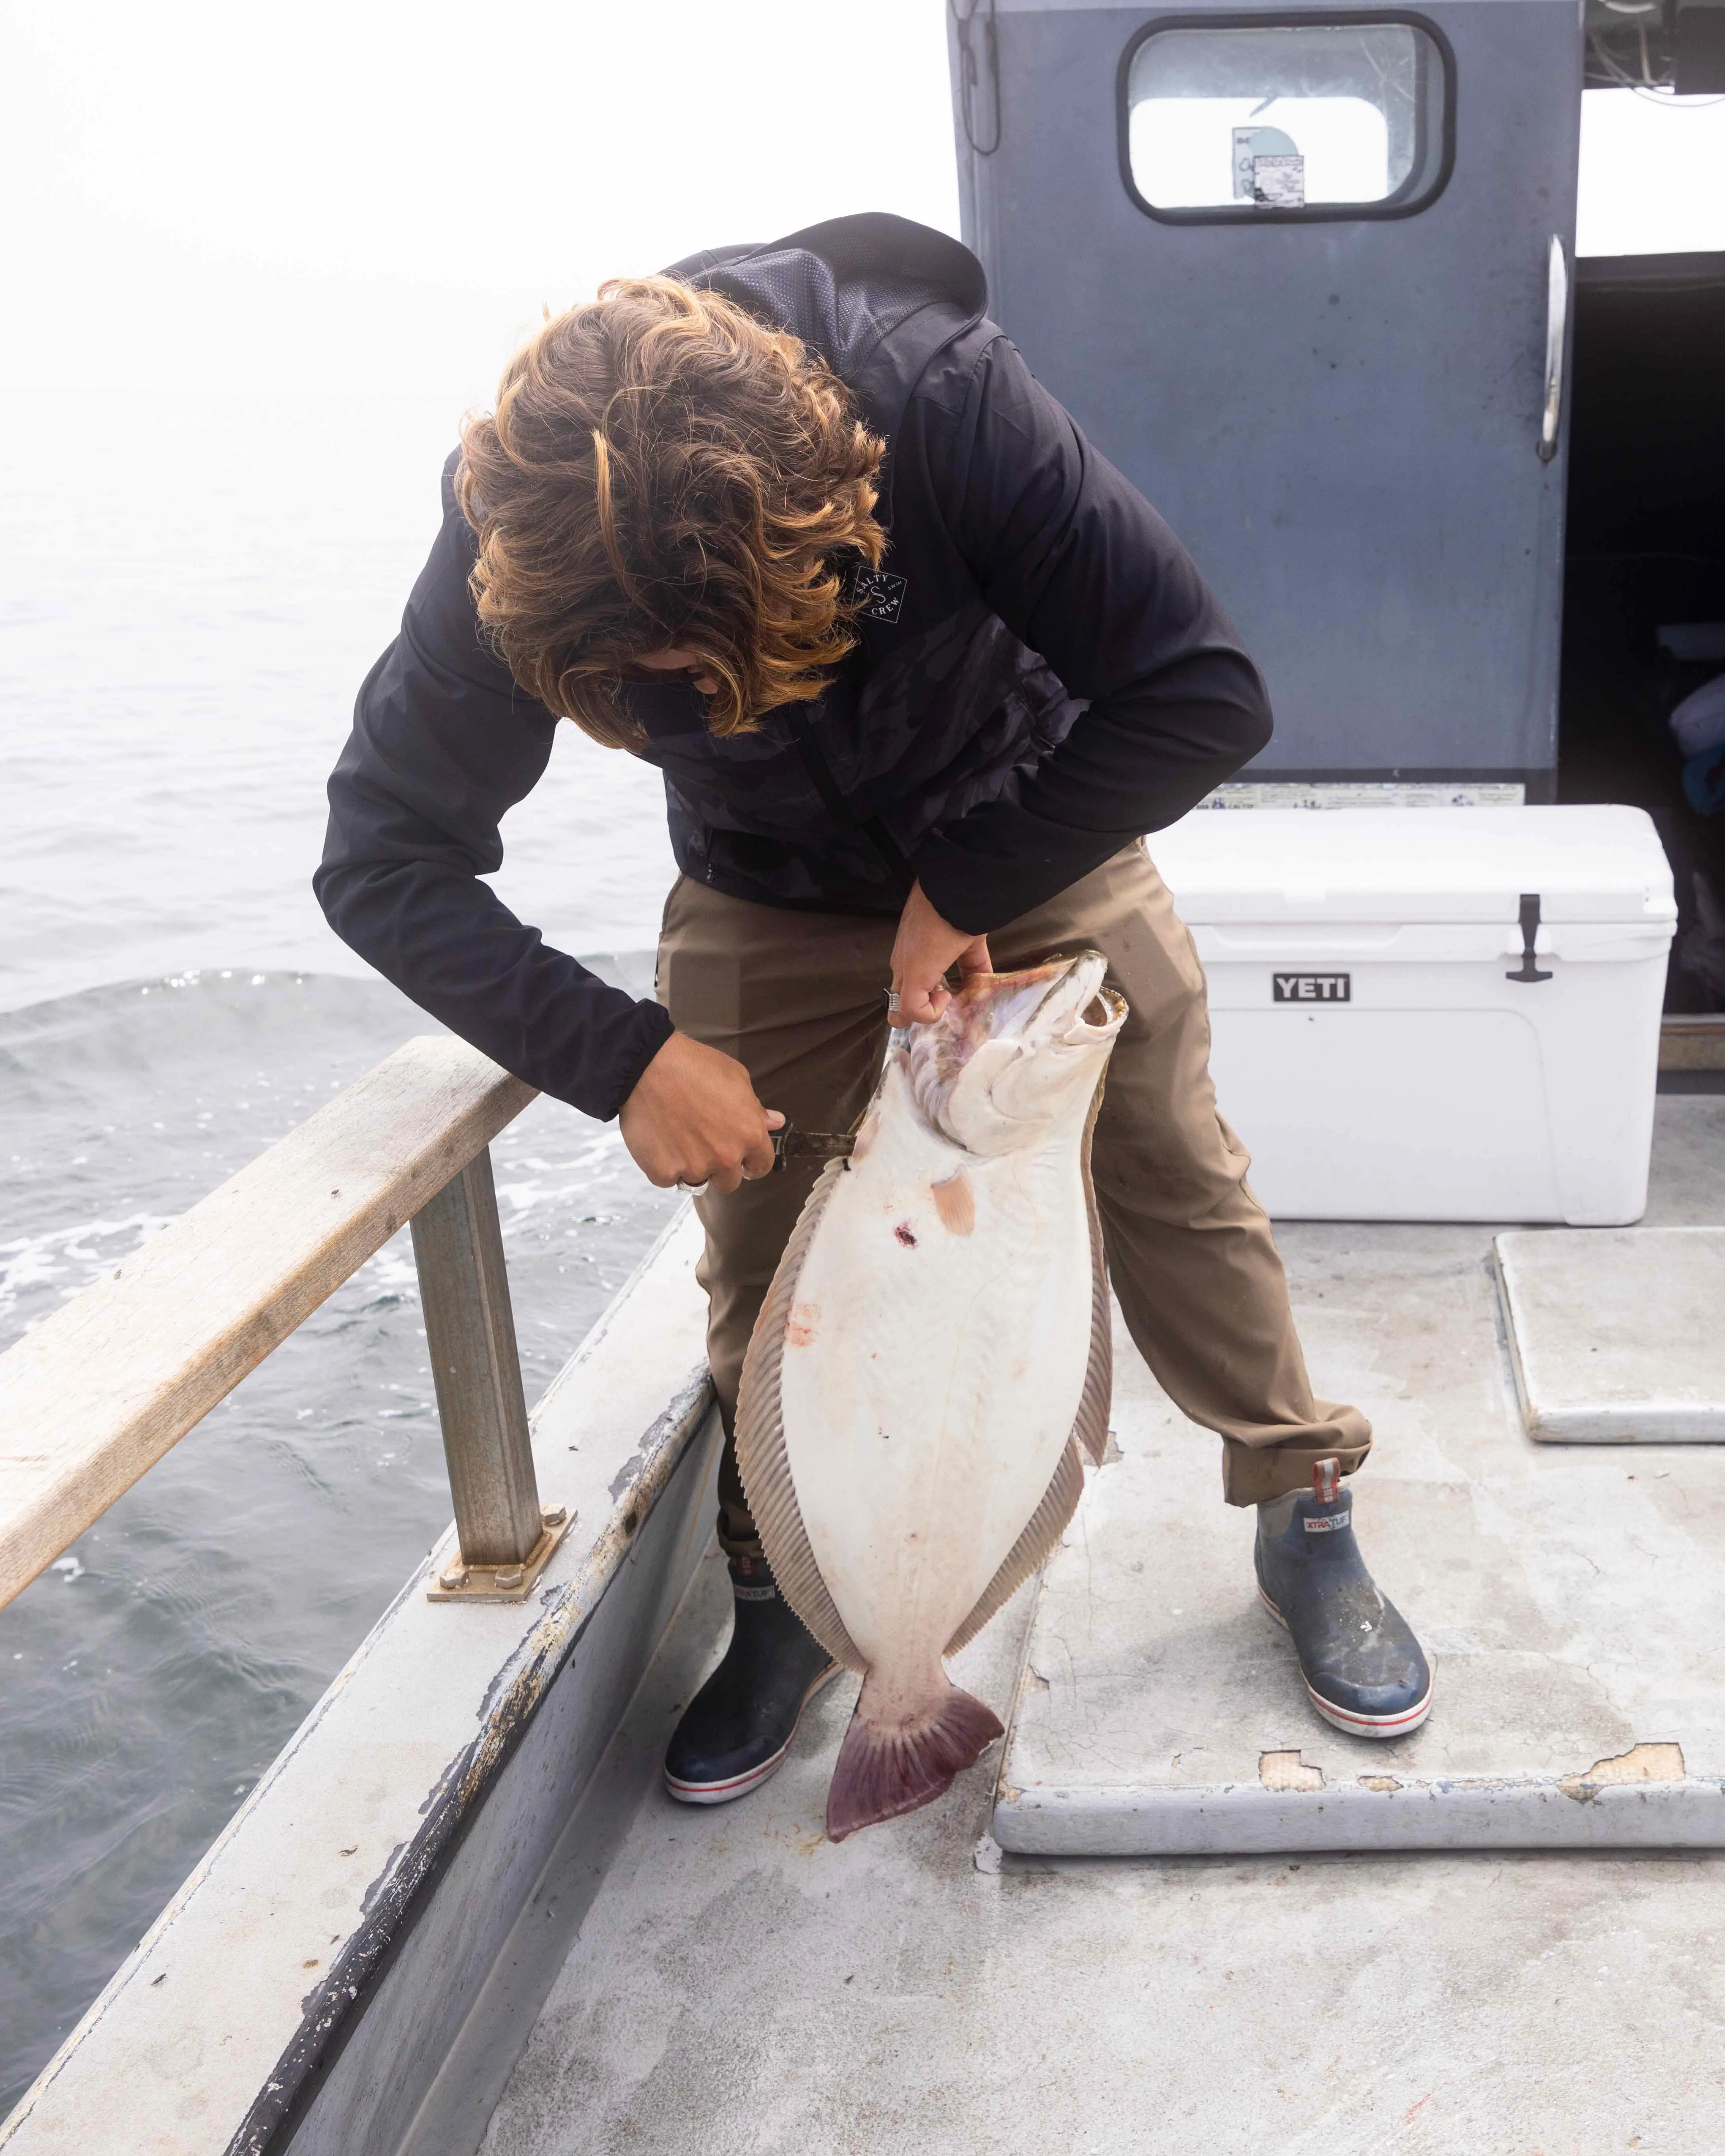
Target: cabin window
1303,117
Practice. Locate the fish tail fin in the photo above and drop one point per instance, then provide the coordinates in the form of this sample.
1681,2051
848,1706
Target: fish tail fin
884,1772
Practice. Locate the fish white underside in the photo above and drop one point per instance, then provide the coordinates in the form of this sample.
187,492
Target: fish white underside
930,1379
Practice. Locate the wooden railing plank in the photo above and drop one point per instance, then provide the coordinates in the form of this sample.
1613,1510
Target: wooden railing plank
97,1393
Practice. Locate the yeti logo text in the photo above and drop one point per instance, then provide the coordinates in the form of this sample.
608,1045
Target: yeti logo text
1311,988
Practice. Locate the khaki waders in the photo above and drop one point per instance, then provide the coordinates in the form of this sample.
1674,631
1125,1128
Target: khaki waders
798,1000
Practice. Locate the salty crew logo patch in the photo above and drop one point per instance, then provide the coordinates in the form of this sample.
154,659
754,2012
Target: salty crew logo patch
1311,988
875,595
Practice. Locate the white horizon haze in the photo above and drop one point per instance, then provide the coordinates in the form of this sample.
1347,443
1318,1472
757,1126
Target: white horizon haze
383,197
380,197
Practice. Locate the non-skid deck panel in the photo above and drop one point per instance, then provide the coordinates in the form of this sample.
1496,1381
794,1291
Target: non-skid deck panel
741,1986
1573,1601
1616,1333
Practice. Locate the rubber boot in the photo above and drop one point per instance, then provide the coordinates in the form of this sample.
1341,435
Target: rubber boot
736,1730
1363,1667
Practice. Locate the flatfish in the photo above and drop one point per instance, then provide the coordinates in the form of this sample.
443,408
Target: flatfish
932,1353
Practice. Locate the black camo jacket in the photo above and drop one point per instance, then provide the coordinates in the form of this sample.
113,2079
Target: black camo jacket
1042,675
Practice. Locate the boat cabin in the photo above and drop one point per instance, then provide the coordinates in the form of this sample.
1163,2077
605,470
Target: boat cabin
1308,276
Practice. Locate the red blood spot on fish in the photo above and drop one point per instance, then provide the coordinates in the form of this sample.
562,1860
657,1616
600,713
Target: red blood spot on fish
799,1326
903,1232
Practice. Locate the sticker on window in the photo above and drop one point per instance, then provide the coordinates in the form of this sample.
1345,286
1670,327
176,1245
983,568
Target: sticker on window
1279,182
1252,143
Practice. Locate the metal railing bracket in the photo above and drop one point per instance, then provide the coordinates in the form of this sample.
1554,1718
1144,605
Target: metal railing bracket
458,1581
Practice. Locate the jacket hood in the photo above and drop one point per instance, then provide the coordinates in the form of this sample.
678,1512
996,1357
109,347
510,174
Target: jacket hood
876,296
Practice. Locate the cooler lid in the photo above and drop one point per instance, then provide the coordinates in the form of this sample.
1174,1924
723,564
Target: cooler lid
1399,865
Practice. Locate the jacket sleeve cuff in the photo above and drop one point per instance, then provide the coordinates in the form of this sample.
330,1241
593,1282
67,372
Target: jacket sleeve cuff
640,1036
1005,857
979,892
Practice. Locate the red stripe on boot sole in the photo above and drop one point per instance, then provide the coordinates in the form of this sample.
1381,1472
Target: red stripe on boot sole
1344,1718
739,1786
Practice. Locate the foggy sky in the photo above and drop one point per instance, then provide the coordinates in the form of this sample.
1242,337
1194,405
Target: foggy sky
382,196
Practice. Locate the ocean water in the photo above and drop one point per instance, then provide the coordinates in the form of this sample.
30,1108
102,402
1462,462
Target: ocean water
193,588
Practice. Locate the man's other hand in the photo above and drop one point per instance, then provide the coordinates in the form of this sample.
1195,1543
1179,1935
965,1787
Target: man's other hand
923,950
693,1118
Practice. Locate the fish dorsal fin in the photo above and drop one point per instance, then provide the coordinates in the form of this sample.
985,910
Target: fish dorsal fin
761,1458
1046,1525
1090,1429
1091,1424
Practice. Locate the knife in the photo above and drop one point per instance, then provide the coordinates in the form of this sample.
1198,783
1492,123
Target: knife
789,1144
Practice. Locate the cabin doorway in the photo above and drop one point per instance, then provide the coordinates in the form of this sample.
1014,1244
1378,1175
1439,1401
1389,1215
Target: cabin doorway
1643,604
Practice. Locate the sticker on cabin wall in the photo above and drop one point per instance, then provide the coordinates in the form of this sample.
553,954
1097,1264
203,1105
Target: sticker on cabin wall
1370,793
1311,988
876,594
1279,182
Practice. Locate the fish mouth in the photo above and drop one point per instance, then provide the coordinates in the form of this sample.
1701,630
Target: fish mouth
1078,1008
1062,999
1060,1008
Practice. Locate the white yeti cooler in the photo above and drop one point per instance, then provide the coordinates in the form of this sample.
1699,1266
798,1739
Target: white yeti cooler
1433,1014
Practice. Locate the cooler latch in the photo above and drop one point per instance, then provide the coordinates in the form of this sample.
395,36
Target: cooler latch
1527,971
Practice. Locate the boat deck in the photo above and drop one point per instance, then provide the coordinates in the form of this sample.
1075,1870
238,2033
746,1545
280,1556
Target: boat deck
728,1981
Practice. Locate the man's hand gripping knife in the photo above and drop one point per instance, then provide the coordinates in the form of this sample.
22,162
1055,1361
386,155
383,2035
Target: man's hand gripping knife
693,1117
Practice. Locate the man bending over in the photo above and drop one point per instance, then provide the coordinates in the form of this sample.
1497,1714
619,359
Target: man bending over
796,524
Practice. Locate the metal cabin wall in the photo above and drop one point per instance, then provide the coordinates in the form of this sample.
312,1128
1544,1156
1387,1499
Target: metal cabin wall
1339,419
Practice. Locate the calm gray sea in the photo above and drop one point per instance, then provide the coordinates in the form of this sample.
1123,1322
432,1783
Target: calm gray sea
193,587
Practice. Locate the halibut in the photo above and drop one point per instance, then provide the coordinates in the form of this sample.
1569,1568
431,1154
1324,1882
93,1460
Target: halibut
932,1354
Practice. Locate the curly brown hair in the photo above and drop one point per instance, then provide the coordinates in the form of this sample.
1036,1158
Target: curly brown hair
663,471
